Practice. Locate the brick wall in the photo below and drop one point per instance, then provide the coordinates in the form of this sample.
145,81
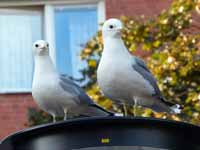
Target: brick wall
13,112
116,8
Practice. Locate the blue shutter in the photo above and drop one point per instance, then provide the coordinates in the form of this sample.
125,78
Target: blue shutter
17,33
74,27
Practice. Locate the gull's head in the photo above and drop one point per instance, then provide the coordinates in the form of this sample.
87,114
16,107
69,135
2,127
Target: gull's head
112,28
41,48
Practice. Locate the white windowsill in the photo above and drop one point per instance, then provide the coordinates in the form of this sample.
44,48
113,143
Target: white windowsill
15,91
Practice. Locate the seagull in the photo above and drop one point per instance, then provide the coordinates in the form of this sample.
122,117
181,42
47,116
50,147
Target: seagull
125,78
57,94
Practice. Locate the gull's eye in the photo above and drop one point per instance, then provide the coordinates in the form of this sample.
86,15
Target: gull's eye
47,45
36,45
111,26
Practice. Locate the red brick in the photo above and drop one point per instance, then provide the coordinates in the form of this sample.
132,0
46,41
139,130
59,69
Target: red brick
13,112
116,8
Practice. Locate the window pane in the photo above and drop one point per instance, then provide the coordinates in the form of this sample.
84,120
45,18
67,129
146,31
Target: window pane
74,27
18,30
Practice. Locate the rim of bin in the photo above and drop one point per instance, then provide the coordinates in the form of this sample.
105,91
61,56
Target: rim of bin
180,130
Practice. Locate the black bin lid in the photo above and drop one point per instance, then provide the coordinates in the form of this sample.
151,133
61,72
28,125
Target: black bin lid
107,133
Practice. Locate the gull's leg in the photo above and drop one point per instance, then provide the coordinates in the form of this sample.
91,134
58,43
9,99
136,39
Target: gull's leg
54,118
65,111
125,110
135,107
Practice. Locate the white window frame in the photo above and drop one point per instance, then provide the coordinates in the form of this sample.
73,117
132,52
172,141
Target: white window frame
48,11
49,19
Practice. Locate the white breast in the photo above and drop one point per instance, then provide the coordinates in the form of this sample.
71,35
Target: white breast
46,89
119,81
50,96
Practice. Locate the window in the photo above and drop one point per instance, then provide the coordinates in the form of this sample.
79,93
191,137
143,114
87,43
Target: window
67,27
73,28
18,29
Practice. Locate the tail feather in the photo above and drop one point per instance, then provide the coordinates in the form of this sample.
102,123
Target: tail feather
95,110
105,111
160,107
170,104
167,107
176,109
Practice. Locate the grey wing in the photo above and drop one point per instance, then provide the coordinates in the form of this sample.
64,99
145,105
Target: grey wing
79,94
142,69
140,62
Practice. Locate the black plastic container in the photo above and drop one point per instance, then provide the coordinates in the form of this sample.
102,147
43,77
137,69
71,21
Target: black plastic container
110,133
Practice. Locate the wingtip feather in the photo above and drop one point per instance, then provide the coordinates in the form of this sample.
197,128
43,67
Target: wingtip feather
176,109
